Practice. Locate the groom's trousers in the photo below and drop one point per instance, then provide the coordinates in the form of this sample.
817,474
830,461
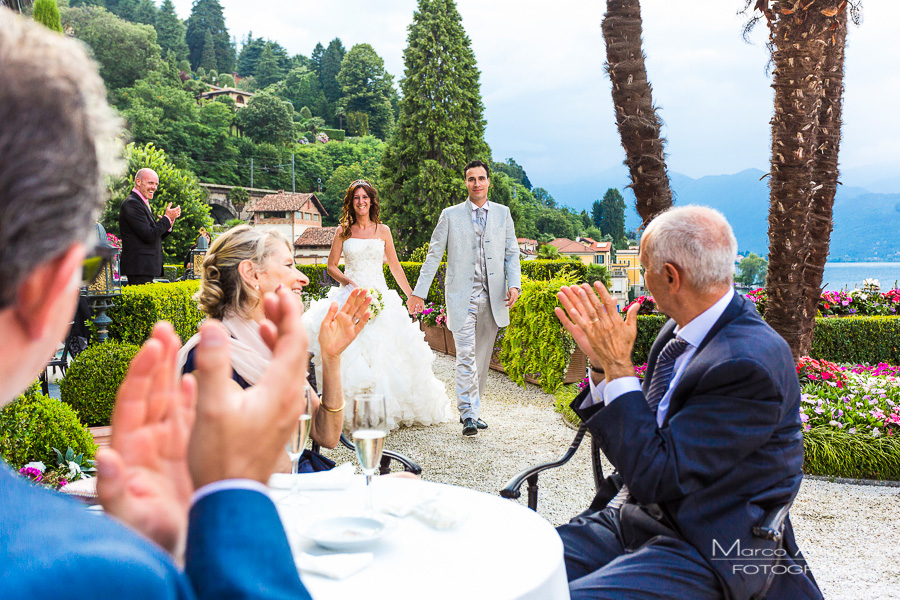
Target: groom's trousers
474,346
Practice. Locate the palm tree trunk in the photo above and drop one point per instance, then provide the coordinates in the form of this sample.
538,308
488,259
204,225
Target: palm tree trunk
825,173
808,43
798,91
639,125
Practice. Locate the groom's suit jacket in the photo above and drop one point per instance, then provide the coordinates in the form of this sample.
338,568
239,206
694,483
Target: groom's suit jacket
52,547
729,449
455,233
142,234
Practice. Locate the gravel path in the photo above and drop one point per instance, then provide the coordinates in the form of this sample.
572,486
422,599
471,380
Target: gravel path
850,534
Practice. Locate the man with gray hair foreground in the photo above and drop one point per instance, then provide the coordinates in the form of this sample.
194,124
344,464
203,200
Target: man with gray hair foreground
56,144
704,448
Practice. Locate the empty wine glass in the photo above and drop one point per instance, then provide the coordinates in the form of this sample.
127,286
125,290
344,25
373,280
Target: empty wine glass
369,429
297,442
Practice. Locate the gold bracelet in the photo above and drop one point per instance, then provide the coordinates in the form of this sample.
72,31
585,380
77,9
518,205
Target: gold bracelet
334,410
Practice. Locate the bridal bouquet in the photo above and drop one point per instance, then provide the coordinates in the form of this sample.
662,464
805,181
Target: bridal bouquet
377,302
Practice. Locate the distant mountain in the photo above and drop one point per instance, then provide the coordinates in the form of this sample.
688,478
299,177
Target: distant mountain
867,224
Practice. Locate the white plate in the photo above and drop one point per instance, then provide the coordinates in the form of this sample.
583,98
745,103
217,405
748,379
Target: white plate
346,534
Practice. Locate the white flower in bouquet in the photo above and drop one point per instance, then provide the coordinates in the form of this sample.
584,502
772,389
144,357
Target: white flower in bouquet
377,302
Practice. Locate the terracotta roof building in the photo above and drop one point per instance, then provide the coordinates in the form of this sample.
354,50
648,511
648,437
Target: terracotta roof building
288,212
240,97
313,245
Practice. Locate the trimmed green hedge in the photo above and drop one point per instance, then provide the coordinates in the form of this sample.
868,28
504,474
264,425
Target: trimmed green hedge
173,272
141,306
93,379
34,424
333,134
857,339
545,270
648,327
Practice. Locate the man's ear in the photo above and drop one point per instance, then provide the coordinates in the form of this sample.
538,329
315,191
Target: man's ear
48,291
673,276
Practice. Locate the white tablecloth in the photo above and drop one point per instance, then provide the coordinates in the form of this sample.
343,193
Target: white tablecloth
500,551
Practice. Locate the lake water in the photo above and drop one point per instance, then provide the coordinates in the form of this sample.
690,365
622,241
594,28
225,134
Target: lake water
838,276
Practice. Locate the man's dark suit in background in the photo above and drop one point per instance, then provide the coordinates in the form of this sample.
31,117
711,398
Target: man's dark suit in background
142,235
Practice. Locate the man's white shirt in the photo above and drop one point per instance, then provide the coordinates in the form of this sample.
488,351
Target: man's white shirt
693,333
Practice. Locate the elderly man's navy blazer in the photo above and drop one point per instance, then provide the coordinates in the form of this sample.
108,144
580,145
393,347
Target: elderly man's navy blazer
52,547
730,448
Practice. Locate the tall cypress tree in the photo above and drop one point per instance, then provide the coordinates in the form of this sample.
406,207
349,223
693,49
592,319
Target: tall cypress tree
206,15
597,214
170,31
614,217
441,124
208,57
46,12
315,59
331,66
267,69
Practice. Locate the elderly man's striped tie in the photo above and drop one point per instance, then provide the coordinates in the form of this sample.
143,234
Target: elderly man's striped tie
662,376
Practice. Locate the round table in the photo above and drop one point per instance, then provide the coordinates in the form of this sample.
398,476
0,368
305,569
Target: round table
501,550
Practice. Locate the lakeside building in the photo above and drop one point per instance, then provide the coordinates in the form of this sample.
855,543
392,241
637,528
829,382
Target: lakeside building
291,213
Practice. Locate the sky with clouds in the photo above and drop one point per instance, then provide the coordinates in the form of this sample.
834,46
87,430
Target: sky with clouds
547,99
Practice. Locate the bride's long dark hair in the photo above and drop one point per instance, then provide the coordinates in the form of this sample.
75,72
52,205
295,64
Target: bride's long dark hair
348,214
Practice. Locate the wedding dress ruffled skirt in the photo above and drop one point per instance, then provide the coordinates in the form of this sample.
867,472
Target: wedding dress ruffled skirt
390,355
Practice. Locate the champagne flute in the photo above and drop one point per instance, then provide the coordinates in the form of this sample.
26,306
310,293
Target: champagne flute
369,430
297,442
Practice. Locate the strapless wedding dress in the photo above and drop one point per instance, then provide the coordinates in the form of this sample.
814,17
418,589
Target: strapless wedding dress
390,355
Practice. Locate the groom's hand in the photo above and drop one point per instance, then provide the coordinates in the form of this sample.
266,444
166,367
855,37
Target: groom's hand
512,294
415,305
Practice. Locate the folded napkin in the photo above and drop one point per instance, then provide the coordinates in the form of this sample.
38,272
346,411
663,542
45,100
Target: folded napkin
431,510
333,566
337,478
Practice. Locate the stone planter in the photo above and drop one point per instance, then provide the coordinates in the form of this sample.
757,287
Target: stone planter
434,335
101,435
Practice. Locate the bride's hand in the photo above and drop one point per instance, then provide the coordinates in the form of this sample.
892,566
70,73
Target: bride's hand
340,327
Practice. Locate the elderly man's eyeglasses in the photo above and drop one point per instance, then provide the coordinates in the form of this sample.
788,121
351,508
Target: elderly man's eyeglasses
95,262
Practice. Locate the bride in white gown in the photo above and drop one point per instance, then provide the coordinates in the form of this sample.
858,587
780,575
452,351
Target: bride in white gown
390,355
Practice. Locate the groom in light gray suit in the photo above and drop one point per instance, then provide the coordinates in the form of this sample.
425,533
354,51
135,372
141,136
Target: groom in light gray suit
482,282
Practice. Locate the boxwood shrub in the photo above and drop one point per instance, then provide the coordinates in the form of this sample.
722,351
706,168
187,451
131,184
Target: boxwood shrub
141,306
93,378
545,270
857,339
34,424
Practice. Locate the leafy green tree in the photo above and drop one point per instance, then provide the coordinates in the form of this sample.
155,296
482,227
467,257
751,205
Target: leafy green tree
125,51
543,197
597,213
752,270
206,15
331,66
170,31
301,88
614,217
514,170
208,57
267,69
316,58
267,118
175,185
46,12
226,80
136,11
441,124
365,88
249,55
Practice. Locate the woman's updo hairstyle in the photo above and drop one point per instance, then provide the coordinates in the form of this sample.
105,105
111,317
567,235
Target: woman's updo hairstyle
223,291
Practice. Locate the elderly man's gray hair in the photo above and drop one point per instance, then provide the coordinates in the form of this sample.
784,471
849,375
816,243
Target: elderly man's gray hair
58,141
696,238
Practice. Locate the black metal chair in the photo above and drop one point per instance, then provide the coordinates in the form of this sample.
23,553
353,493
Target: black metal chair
387,456
770,527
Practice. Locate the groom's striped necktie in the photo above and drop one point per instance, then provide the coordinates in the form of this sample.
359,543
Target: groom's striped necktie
662,376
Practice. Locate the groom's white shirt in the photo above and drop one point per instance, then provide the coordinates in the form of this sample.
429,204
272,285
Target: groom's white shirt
455,233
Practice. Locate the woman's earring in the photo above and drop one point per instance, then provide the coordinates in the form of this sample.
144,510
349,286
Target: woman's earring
256,287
